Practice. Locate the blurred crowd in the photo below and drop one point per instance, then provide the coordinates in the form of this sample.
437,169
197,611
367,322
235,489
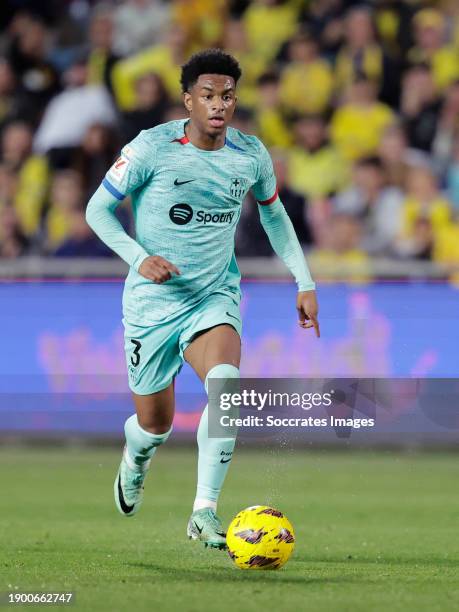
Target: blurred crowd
358,103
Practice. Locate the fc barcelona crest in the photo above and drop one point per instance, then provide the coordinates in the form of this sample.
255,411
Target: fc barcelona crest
238,187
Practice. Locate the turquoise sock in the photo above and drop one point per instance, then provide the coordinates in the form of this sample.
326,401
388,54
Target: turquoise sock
141,444
214,453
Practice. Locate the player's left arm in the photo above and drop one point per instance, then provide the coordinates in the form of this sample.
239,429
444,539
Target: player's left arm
283,239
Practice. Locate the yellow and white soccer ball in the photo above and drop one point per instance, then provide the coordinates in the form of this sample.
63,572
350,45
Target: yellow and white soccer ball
260,537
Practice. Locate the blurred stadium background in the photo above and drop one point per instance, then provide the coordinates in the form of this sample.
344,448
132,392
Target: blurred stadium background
359,104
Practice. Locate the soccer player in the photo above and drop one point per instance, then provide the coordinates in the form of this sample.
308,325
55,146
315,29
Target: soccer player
187,180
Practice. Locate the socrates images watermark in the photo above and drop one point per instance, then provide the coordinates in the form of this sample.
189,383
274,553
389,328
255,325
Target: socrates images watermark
336,406
283,404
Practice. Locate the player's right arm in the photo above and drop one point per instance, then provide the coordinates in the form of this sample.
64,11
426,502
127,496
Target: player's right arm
131,170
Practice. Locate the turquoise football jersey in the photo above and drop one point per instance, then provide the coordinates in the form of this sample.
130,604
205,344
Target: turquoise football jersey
187,203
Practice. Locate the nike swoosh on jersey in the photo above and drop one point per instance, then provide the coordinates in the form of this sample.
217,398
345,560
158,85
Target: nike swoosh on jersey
124,507
225,460
177,182
232,316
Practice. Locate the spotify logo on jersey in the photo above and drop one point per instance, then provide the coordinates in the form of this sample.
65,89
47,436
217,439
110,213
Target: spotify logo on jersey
181,214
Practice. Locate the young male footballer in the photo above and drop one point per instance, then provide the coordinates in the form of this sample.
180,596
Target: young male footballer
187,180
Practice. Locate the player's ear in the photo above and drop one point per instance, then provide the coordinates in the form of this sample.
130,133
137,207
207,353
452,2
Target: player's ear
187,101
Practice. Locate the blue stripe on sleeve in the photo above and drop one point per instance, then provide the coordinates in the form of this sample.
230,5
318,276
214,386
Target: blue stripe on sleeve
113,190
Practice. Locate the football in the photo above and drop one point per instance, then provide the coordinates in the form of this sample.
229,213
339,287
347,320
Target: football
260,537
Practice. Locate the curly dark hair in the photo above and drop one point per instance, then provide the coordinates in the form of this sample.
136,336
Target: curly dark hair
210,61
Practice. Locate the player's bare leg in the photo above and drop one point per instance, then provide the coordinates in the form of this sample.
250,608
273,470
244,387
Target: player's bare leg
145,431
215,353
155,412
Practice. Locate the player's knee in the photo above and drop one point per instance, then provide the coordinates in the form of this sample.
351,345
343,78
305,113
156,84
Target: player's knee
222,371
158,429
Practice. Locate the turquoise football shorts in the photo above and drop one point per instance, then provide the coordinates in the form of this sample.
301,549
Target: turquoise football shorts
154,353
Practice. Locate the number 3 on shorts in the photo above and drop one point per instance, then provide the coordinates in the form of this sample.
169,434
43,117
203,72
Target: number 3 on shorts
135,357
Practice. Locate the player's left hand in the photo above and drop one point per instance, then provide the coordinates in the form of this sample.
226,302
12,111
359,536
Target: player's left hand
308,308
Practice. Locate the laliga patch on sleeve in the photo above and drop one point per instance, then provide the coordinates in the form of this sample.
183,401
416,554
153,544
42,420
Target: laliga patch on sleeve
118,170
127,152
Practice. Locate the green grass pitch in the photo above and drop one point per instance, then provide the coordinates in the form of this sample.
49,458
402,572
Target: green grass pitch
375,531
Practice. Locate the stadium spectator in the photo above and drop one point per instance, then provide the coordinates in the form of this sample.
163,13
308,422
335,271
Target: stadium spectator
315,168
151,105
431,48
95,154
450,10
357,126
295,203
419,244
101,57
32,175
85,104
307,80
447,129
13,242
201,21
8,93
8,185
362,56
420,107
81,240
27,53
424,201
324,20
446,251
236,43
66,197
138,24
251,239
340,253
397,157
270,23
377,205
271,123
164,59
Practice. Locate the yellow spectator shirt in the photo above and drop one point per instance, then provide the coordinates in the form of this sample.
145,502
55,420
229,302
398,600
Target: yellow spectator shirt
57,227
357,130
202,20
306,88
438,213
272,128
446,249
371,66
353,265
32,188
444,64
316,174
268,27
253,66
157,59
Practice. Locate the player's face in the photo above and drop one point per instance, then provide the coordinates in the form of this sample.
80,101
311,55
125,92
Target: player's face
211,103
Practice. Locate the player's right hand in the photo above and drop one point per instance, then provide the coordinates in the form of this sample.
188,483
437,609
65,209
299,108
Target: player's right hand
157,269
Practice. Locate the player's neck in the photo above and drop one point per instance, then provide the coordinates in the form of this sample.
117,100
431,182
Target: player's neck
204,141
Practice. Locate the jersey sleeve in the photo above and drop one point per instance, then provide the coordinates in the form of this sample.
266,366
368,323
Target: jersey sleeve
265,188
133,168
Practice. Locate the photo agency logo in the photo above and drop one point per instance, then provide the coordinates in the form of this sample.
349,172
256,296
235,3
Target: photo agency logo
338,407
